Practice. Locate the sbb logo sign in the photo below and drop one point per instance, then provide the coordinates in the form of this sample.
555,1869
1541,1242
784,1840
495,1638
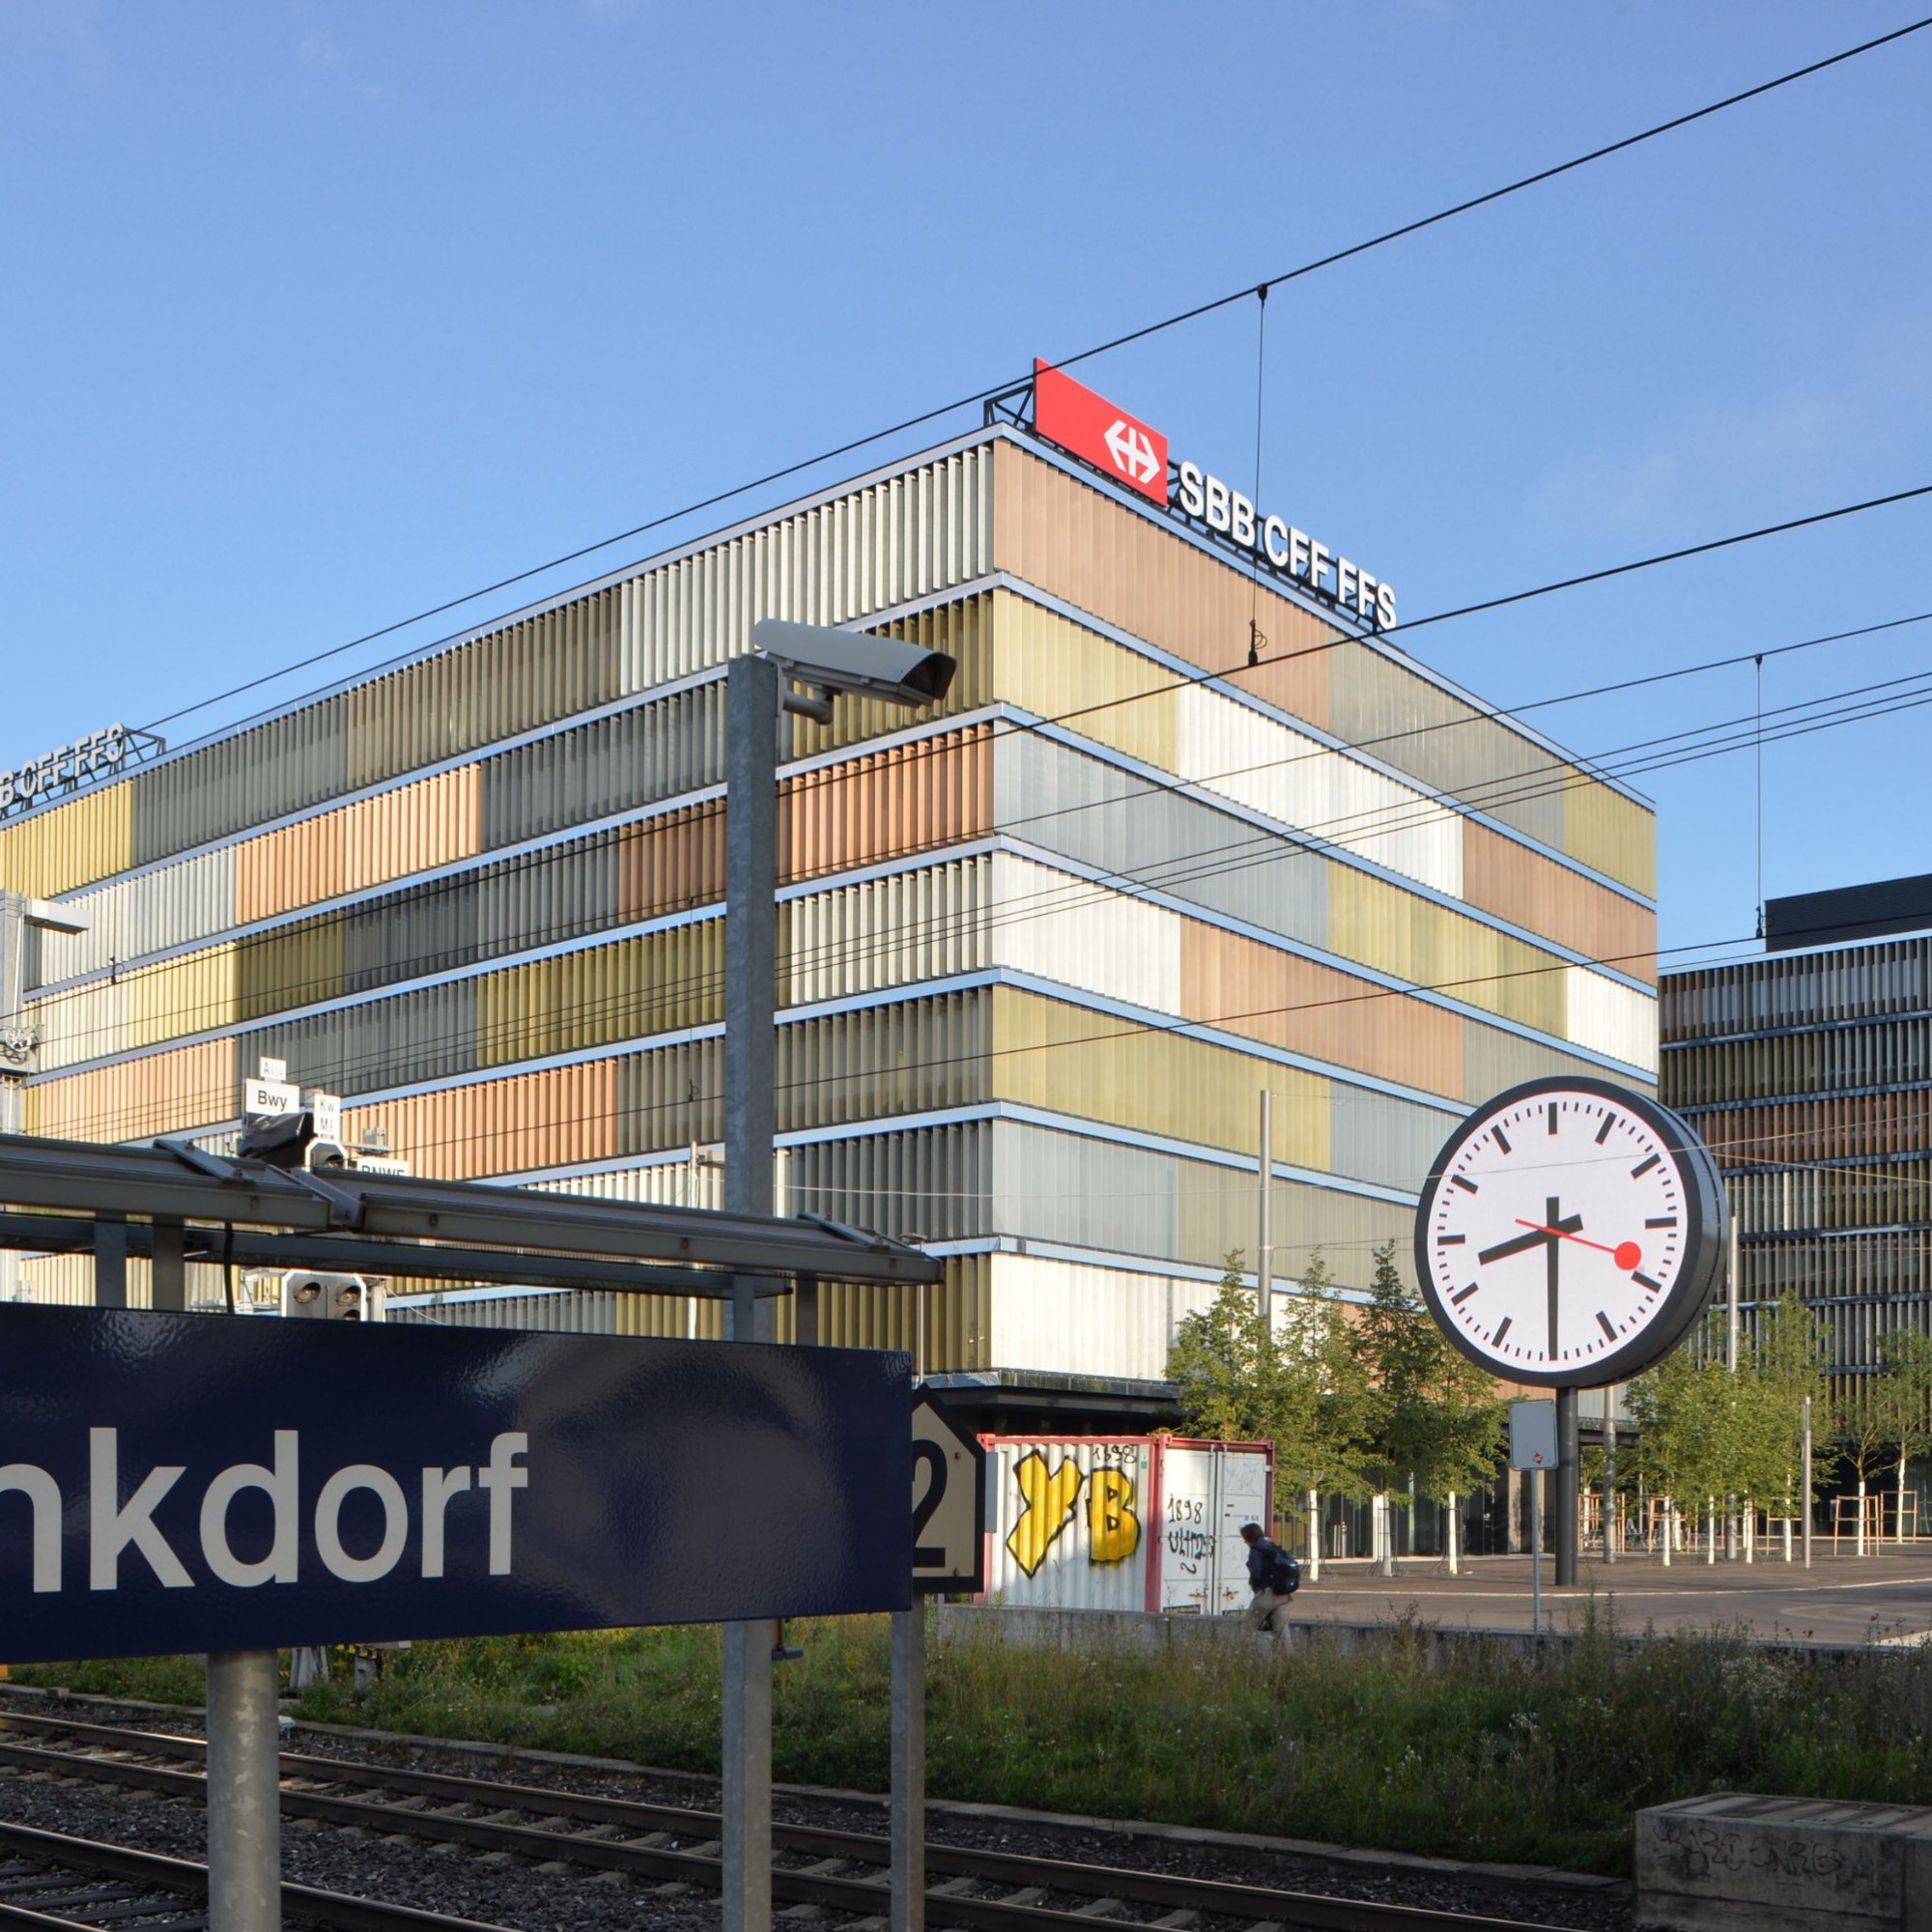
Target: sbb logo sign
1123,447
1065,412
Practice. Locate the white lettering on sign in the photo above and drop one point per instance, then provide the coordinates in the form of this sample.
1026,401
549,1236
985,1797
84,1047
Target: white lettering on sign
65,768
115,1528
1292,551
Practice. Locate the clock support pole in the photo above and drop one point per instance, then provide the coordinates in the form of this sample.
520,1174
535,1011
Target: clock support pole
1569,1471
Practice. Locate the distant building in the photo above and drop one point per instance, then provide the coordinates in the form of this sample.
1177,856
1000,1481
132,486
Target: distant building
1042,946
1809,1073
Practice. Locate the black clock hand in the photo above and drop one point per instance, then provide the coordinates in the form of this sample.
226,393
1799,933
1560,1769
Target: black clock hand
1519,1245
1554,1221
1522,1243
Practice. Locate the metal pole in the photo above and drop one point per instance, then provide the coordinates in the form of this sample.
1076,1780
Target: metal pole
1314,1536
1569,1494
17,1055
908,1817
1731,1299
1613,1522
1536,1550
244,1794
1265,1249
751,717
1805,1482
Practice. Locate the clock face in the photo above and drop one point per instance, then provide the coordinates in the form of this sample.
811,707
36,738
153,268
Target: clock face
1570,1232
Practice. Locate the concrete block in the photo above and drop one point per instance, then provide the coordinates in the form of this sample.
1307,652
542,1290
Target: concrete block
1739,1863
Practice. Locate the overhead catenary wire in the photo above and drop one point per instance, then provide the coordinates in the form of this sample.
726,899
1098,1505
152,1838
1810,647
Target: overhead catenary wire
1140,333
498,867
1492,713
619,1005
1264,846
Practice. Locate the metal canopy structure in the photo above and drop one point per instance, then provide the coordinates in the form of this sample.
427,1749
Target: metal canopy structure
175,1203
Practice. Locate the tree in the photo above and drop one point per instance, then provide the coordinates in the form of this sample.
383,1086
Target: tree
1684,1409
1430,1411
1792,1354
1228,1365
1903,1398
1294,1384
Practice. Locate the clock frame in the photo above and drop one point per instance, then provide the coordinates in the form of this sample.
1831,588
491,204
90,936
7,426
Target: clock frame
1643,1315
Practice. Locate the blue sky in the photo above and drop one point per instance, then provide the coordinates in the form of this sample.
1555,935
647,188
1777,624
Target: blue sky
320,314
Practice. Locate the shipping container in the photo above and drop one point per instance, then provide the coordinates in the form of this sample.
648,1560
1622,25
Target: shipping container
1148,1523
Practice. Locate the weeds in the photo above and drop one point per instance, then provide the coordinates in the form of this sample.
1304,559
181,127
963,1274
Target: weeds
1491,1751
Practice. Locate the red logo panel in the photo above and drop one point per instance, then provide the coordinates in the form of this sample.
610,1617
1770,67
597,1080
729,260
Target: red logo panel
1078,420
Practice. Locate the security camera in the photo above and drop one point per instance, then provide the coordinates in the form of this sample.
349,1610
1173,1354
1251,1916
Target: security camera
885,668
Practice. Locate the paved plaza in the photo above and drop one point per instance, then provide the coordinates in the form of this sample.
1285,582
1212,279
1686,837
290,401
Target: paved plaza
1840,1599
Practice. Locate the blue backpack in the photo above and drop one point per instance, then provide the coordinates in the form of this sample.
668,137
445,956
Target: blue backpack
1284,1574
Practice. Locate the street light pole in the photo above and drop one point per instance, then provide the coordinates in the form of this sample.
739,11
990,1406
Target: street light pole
752,717
756,700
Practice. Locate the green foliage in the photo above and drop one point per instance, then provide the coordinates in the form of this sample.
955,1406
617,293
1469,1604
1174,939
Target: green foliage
1294,1381
1707,1432
1429,1409
1479,1751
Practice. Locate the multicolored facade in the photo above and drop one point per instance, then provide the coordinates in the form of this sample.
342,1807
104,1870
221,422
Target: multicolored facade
1042,946
1809,1074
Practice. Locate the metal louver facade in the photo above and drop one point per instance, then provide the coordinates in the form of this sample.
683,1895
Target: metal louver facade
1810,1075
1042,944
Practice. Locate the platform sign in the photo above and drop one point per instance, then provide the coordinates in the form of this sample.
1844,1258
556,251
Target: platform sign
949,1502
184,1482
1532,1435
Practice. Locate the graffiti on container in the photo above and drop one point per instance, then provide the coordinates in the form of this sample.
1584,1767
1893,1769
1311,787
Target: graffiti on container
1188,1539
1050,1497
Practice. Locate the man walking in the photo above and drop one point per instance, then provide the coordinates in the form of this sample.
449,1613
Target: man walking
1273,1575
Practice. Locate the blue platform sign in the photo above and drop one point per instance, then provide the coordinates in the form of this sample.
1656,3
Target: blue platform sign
203,1482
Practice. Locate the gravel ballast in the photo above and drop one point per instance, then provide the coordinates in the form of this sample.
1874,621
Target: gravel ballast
517,1893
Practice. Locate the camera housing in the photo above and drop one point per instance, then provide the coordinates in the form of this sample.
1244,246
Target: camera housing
851,661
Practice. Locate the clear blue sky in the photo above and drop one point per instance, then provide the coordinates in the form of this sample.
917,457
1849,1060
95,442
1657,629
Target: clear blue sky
319,314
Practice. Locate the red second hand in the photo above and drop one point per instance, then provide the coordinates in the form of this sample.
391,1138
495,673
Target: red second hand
1627,1255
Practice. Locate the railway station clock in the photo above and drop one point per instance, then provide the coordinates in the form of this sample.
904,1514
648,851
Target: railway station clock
1569,1232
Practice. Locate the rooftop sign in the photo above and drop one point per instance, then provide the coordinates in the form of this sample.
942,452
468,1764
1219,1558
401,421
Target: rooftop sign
1123,447
207,1482
67,767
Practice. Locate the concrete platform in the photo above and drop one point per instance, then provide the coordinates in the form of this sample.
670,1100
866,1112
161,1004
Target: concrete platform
1883,1599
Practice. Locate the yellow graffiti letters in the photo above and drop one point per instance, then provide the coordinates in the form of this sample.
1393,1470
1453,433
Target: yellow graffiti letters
1113,1529
1049,1496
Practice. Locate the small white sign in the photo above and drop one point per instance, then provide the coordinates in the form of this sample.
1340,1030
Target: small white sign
277,1070
380,1163
1532,1435
326,1109
269,1096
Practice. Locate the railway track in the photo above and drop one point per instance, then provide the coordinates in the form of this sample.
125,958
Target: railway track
842,1875
49,1881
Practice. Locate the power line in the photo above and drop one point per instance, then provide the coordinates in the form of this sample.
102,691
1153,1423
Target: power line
1314,839
1875,700
1140,334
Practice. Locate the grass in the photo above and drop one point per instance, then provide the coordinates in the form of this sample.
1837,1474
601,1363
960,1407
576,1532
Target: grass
1494,1754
